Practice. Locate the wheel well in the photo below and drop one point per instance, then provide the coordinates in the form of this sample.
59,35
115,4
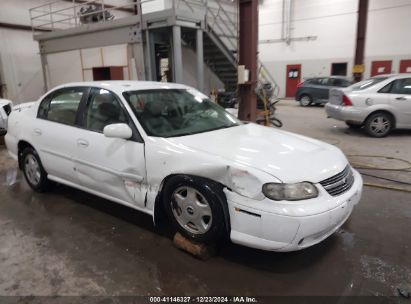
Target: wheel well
304,94
382,111
159,212
21,146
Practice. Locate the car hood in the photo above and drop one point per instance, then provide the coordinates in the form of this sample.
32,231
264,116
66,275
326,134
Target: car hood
4,102
287,156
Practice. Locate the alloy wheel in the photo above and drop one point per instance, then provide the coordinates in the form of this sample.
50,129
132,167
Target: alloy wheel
32,169
191,210
380,125
305,100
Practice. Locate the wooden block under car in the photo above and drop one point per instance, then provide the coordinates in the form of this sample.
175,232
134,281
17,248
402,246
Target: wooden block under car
198,250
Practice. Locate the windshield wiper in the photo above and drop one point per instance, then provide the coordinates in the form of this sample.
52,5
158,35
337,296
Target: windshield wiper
203,131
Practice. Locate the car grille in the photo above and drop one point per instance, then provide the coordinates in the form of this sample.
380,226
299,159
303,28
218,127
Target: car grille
339,183
7,109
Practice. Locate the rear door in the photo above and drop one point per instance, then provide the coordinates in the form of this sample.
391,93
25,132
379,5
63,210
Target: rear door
400,99
55,131
320,89
110,166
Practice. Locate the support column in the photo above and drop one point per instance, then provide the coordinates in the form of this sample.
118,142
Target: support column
248,57
148,56
44,64
137,52
200,60
361,33
177,55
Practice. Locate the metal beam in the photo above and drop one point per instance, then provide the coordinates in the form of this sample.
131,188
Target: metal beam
21,27
126,30
248,44
200,60
177,55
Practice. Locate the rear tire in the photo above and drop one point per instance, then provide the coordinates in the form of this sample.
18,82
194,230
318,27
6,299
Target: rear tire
305,100
33,170
379,124
194,205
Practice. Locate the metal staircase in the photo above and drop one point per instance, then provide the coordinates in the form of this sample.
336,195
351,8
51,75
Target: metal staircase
65,25
221,40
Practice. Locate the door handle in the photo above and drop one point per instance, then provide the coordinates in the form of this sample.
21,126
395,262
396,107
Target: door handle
82,143
37,132
401,98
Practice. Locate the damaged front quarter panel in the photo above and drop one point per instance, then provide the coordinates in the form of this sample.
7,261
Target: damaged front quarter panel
244,183
166,158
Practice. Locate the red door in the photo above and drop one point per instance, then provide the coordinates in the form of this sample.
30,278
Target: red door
292,77
381,67
405,66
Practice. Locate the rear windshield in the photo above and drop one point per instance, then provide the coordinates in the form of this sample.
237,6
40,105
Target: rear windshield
365,84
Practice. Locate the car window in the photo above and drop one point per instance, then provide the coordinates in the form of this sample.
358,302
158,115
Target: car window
338,82
387,88
103,109
365,84
401,86
317,81
323,81
177,112
62,105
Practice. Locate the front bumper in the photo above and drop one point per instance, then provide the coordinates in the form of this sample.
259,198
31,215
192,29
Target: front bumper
343,113
292,227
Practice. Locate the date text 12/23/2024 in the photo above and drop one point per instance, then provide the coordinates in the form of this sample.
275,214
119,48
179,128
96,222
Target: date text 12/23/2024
203,299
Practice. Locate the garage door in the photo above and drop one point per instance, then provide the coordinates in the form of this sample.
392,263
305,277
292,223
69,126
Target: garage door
381,67
405,66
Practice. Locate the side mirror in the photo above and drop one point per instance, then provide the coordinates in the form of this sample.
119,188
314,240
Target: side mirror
120,130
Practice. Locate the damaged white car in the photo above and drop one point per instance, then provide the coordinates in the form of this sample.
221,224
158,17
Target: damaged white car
5,110
166,147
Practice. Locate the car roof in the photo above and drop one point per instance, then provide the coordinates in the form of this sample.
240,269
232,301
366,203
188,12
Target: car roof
318,77
401,75
120,86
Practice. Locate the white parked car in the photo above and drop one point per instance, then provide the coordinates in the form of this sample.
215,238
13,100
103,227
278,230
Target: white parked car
160,146
380,104
5,110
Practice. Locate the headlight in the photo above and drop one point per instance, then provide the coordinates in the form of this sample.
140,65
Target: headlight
290,192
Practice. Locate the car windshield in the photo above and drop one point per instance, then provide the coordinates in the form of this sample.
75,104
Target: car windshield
177,112
362,85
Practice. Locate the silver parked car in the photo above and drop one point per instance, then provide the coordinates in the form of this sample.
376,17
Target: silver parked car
378,104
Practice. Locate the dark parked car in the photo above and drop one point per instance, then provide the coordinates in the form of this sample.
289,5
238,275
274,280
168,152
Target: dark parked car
315,90
227,99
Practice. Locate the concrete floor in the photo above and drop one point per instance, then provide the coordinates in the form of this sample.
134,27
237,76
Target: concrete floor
70,243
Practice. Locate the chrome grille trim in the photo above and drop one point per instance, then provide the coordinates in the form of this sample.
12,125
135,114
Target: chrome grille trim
339,183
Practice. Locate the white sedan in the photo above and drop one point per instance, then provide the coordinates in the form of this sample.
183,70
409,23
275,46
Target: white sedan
166,147
380,104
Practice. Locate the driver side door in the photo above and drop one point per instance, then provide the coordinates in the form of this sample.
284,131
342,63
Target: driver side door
110,167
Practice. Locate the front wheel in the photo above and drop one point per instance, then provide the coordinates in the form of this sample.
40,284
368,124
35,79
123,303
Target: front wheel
195,207
379,124
305,100
33,170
